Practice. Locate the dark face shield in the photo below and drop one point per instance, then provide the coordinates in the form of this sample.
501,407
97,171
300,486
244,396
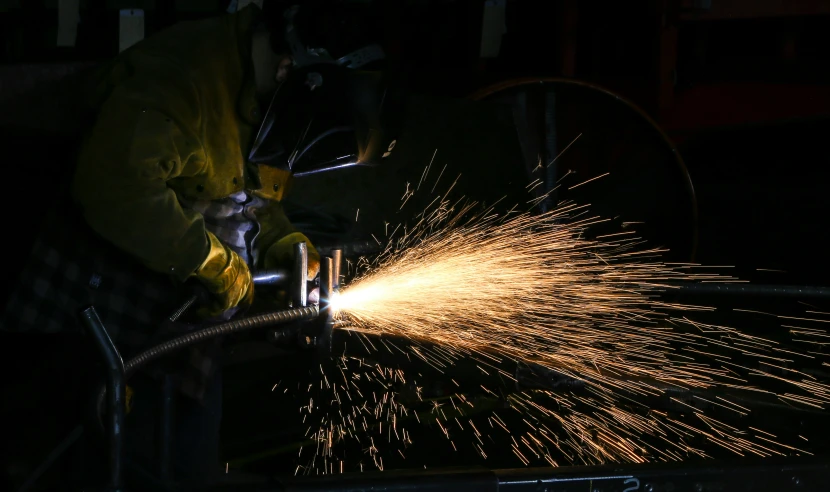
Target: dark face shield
326,116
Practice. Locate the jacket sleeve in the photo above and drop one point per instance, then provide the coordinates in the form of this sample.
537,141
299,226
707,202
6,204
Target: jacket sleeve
144,137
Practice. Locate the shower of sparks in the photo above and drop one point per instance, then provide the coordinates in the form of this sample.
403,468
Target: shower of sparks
535,290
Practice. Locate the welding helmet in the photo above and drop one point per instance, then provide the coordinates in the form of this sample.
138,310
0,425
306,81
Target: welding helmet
328,113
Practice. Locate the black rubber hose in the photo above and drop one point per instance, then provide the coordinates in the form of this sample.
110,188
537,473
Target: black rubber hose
227,328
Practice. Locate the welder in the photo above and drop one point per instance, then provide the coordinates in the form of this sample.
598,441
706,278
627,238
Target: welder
197,132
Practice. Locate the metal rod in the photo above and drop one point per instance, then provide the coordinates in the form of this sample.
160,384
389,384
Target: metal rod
352,249
337,263
748,289
53,456
326,283
457,480
326,321
331,167
115,393
768,474
300,275
165,431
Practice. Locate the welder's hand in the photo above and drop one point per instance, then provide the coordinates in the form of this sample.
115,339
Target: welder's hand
227,277
281,254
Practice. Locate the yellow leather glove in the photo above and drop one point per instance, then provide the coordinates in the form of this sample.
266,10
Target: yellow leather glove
281,254
227,277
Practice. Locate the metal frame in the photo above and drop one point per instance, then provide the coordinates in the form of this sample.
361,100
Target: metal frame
771,474
756,475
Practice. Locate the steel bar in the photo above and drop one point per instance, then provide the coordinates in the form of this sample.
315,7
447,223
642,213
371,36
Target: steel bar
337,262
326,321
300,275
165,430
749,289
326,281
116,382
769,474
56,453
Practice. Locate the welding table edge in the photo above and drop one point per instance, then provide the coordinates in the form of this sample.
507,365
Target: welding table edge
790,473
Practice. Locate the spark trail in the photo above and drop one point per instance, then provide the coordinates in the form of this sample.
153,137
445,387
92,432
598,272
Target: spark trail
533,289
527,287
461,285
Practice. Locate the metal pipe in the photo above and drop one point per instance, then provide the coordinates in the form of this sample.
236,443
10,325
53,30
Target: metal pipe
352,249
166,423
350,161
300,275
116,382
748,289
56,453
456,480
316,140
337,262
326,282
326,321
768,474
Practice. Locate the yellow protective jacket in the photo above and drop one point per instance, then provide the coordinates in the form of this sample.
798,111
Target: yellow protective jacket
177,114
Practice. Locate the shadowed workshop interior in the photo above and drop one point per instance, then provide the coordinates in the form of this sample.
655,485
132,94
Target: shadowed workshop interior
705,123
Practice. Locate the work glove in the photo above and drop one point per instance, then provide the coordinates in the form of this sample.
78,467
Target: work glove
281,254
227,277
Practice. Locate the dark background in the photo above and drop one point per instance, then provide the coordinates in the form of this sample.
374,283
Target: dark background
739,89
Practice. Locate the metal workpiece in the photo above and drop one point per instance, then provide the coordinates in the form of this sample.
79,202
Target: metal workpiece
748,289
326,283
166,430
337,263
325,324
350,249
299,296
463,480
323,344
769,474
116,394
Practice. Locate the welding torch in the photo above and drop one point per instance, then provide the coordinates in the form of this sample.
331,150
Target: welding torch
318,319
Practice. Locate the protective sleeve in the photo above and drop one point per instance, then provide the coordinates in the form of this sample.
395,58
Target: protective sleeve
146,135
